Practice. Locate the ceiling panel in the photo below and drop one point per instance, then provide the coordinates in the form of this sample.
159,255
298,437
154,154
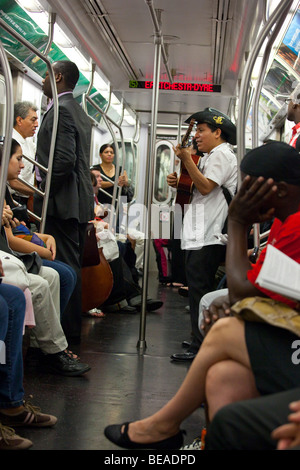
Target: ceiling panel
192,35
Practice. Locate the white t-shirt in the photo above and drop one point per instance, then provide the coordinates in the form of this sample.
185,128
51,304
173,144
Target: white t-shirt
206,215
28,149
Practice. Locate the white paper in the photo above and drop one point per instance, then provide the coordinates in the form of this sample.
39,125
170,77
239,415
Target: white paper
280,274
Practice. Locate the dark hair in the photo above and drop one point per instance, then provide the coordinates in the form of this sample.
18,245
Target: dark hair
14,145
105,146
69,70
214,128
93,178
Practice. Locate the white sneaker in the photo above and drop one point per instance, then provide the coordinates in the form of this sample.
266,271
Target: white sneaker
195,445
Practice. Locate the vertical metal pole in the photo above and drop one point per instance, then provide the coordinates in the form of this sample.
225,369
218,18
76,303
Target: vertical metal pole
8,124
262,71
48,170
149,190
283,6
259,84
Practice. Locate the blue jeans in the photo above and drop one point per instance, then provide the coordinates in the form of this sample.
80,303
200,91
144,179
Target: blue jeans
12,313
67,277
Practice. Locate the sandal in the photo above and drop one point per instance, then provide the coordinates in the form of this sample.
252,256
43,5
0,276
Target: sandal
183,291
72,355
175,284
94,313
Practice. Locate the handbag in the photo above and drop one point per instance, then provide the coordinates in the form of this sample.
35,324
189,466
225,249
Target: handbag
14,271
267,310
108,242
90,253
20,212
32,261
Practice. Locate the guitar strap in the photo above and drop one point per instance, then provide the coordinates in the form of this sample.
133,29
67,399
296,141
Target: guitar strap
228,198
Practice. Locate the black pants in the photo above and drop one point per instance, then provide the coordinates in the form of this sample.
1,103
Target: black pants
178,262
69,236
201,267
125,284
247,425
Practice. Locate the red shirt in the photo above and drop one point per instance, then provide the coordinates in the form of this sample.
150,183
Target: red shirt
295,135
286,238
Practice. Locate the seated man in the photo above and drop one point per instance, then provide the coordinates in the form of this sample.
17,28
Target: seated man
257,424
14,411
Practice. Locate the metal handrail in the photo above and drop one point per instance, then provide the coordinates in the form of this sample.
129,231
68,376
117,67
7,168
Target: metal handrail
8,125
241,122
117,189
136,136
36,51
279,13
141,345
263,67
158,34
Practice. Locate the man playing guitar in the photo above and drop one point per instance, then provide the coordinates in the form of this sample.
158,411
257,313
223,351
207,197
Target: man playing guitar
205,215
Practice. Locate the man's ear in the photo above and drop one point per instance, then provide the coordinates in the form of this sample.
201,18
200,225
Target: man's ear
282,189
58,77
19,120
218,132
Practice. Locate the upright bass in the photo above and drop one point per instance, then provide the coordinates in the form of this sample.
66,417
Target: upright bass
96,274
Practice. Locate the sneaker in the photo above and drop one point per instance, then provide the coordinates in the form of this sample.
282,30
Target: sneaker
9,440
30,416
64,364
195,445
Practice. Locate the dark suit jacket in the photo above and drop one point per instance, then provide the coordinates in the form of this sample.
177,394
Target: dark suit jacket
71,191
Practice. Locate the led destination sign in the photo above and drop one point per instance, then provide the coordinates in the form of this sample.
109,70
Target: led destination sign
183,86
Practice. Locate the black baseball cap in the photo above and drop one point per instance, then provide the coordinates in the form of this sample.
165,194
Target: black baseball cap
276,160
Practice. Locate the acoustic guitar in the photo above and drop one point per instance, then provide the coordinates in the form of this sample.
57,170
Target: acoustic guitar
185,184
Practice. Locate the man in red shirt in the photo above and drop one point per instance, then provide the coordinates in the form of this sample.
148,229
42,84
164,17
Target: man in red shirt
280,162
284,235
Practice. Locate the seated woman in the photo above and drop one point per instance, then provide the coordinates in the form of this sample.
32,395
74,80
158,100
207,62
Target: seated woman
45,244
238,359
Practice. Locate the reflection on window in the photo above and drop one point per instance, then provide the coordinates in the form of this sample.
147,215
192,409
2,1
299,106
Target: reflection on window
268,110
162,169
278,80
129,164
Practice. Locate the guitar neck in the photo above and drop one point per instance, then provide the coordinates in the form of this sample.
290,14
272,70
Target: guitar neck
185,139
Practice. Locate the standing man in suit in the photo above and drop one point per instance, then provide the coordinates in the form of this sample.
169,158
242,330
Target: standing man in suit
70,205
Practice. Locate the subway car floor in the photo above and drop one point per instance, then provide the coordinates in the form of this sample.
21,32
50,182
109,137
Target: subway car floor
125,383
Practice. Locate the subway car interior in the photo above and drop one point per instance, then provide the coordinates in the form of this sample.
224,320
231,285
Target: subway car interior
145,67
